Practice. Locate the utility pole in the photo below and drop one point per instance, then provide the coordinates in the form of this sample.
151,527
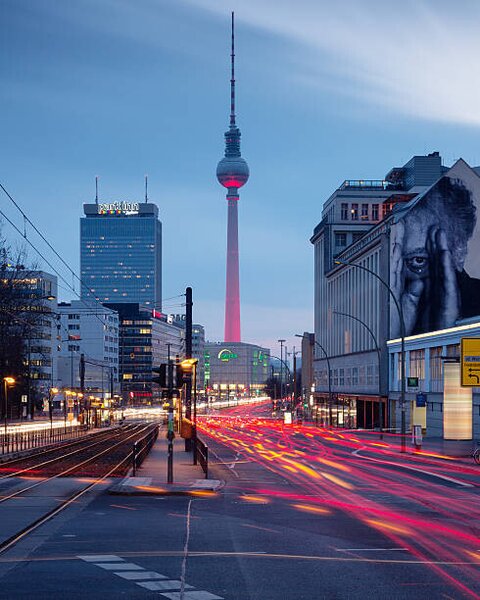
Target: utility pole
281,369
188,354
170,432
294,378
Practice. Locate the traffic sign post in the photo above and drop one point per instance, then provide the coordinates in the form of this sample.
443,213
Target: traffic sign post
470,362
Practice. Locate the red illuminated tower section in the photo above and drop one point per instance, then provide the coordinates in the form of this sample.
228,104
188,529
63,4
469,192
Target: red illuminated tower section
232,173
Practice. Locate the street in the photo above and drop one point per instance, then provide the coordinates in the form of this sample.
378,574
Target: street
304,514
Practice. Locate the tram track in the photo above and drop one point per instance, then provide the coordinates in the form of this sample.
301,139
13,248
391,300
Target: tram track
117,457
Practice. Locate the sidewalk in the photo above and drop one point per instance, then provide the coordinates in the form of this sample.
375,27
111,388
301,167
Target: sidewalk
151,477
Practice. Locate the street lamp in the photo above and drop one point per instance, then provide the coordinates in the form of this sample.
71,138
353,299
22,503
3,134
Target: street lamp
51,394
329,369
380,407
402,335
7,381
281,369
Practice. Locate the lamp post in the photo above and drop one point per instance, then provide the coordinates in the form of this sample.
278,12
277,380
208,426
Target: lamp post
281,369
380,407
6,382
402,335
51,394
329,369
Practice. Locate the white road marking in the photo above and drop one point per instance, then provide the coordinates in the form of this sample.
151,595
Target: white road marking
386,462
185,550
139,575
125,566
371,549
161,586
223,462
195,595
100,557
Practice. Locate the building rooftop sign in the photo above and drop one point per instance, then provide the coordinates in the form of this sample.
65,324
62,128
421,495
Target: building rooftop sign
226,355
118,208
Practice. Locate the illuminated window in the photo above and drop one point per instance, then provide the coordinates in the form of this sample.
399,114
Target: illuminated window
354,212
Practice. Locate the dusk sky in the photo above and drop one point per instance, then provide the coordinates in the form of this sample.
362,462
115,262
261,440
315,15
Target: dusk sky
326,91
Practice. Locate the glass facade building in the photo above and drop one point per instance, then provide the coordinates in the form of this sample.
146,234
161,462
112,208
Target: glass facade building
121,253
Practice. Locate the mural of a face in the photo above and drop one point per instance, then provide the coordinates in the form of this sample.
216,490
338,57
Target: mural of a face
429,246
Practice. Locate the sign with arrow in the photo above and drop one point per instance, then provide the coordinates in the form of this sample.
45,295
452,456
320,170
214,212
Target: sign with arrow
470,360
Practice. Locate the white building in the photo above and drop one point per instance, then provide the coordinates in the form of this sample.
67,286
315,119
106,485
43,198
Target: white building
92,330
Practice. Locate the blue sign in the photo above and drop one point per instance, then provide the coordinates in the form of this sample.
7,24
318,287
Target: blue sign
421,400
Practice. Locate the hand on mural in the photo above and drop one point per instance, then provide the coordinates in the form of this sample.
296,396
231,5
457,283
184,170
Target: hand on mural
444,301
424,281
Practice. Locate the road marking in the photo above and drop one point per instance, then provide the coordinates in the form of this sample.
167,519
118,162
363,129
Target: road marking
161,586
195,595
386,462
185,548
139,575
223,462
158,582
100,557
371,549
121,566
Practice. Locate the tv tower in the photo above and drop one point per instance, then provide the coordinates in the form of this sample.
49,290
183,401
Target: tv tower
232,173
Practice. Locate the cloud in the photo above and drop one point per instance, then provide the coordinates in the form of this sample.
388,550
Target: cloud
414,58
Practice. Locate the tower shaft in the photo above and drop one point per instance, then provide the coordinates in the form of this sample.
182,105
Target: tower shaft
232,296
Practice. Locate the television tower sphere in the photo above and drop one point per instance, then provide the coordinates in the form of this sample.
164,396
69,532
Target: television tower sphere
232,172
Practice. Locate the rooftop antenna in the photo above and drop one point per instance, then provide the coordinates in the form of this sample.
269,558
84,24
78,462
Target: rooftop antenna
96,190
232,80
146,189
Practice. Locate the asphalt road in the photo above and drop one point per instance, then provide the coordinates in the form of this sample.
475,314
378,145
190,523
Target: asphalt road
304,514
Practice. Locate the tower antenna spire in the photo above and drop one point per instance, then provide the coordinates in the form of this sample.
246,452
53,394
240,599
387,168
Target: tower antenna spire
232,79
96,190
146,189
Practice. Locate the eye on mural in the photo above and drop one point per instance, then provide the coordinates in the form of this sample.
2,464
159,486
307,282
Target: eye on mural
435,255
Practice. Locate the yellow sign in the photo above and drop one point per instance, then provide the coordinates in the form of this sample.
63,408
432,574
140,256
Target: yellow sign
470,358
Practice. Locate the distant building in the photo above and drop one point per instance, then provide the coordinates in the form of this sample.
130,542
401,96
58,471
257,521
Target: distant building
198,352
92,330
121,253
145,341
236,368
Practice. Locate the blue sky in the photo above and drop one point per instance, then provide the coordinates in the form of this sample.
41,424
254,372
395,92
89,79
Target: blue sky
325,92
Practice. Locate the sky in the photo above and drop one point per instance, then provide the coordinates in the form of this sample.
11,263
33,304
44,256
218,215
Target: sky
325,92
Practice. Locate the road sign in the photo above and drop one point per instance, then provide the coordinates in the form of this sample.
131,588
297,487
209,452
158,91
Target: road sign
470,361
421,400
24,399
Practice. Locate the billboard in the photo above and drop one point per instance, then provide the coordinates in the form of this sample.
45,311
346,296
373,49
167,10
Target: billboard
435,255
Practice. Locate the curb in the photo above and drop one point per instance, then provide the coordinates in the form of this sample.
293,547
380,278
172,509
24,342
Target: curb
142,486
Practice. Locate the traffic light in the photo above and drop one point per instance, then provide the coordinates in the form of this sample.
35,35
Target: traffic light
162,375
180,376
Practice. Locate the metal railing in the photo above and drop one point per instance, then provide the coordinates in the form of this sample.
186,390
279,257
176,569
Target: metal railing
142,447
201,453
17,441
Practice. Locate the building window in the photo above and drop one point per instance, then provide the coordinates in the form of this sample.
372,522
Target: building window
73,327
344,211
354,212
417,364
374,212
354,375
453,351
340,239
364,211
436,363
369,374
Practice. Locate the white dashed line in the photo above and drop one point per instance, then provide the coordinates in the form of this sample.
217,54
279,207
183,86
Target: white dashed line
196,595
161,586
141,575
100,557
158,582
120,566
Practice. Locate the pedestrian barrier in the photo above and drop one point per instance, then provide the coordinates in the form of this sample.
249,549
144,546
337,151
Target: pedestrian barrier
142,447
17,441
201,452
